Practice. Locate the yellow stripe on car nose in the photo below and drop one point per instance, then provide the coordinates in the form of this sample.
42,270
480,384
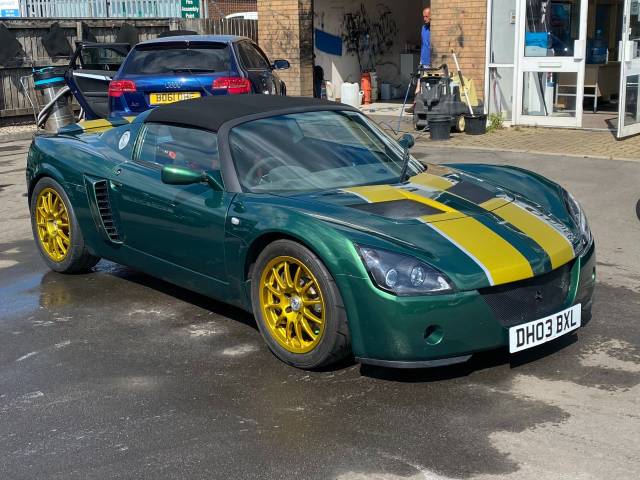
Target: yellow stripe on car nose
387,193
433,181
500,260
377,193
557,246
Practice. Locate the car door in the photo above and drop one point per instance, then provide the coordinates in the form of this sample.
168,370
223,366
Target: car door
91,69
257,67
182,225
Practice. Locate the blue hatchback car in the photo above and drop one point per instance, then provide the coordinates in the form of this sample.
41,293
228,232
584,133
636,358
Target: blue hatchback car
170,69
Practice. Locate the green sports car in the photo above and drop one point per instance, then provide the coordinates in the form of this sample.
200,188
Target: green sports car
303,212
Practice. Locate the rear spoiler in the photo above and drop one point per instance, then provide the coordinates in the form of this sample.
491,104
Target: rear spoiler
95,126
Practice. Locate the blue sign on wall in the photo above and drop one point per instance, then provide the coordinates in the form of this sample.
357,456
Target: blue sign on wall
9,8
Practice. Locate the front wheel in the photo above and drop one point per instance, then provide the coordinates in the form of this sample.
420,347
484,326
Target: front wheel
298,306
56,230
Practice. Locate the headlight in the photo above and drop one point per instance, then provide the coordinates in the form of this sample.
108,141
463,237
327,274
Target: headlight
403,275
579,217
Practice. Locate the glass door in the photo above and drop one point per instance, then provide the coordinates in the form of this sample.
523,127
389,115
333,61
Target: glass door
551,58
628,109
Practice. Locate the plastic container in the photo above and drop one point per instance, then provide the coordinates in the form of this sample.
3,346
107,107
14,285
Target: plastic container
440,127
385,91
330,91
351,94
475,124
375,87
398,91
365,82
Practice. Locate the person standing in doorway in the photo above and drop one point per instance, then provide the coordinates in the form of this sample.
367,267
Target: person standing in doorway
425,48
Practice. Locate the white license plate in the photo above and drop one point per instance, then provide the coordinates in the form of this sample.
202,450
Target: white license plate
543,330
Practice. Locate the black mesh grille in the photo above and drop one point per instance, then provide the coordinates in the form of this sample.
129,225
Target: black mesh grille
527,300
104,208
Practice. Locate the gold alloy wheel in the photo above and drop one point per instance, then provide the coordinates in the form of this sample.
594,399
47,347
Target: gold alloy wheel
52,223
292,304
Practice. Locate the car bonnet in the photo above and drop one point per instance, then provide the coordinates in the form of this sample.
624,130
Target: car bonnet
450,215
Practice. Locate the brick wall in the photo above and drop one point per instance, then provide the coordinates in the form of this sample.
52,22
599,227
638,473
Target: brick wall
222,8
285,30
460,25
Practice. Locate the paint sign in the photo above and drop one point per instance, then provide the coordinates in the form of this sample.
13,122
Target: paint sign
190,8
9,8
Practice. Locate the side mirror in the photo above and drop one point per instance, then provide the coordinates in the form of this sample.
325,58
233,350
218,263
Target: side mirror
280,64
174,175
407,141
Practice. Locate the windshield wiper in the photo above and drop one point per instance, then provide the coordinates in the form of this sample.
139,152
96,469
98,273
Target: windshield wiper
192,70
406,142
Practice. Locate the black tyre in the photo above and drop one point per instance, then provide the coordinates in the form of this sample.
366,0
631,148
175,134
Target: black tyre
56,230
298,307
460,124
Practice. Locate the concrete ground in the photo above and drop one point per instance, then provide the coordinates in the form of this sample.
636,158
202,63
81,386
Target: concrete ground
116,375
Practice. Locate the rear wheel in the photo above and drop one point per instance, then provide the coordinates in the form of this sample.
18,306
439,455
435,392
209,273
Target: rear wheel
298,306
460,124
56,230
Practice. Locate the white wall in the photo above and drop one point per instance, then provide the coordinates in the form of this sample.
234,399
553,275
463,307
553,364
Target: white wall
329,16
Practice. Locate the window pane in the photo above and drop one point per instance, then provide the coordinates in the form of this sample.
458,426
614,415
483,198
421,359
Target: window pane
631,112
102,58
549,94
503,27
251,58
501,91
634,28
551,28
187,147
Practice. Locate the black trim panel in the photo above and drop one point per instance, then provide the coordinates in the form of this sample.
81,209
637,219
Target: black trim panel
440,362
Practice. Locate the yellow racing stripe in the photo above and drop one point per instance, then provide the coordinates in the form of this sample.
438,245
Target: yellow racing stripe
95,125
377,193
386,193
557,246
500,260
433,181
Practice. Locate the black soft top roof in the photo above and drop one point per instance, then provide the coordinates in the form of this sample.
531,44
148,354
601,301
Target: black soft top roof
211,112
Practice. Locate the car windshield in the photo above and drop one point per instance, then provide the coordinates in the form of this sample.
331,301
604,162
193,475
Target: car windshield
314,151
172,58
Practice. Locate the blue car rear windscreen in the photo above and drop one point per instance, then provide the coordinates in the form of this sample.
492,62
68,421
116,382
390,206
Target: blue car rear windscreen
172,58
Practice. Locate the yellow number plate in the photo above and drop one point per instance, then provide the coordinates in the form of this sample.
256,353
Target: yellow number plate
170,97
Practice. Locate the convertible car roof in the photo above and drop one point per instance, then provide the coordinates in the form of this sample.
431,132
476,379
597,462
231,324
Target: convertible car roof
211,112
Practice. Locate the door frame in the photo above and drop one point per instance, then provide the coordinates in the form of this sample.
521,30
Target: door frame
628,66
574,64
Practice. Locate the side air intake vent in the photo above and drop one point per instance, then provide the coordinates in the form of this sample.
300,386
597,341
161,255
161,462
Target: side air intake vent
104,209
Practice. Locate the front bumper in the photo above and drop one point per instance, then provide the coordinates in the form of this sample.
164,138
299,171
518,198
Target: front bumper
395,331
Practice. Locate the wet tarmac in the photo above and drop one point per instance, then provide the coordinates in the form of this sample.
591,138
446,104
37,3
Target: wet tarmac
114,374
